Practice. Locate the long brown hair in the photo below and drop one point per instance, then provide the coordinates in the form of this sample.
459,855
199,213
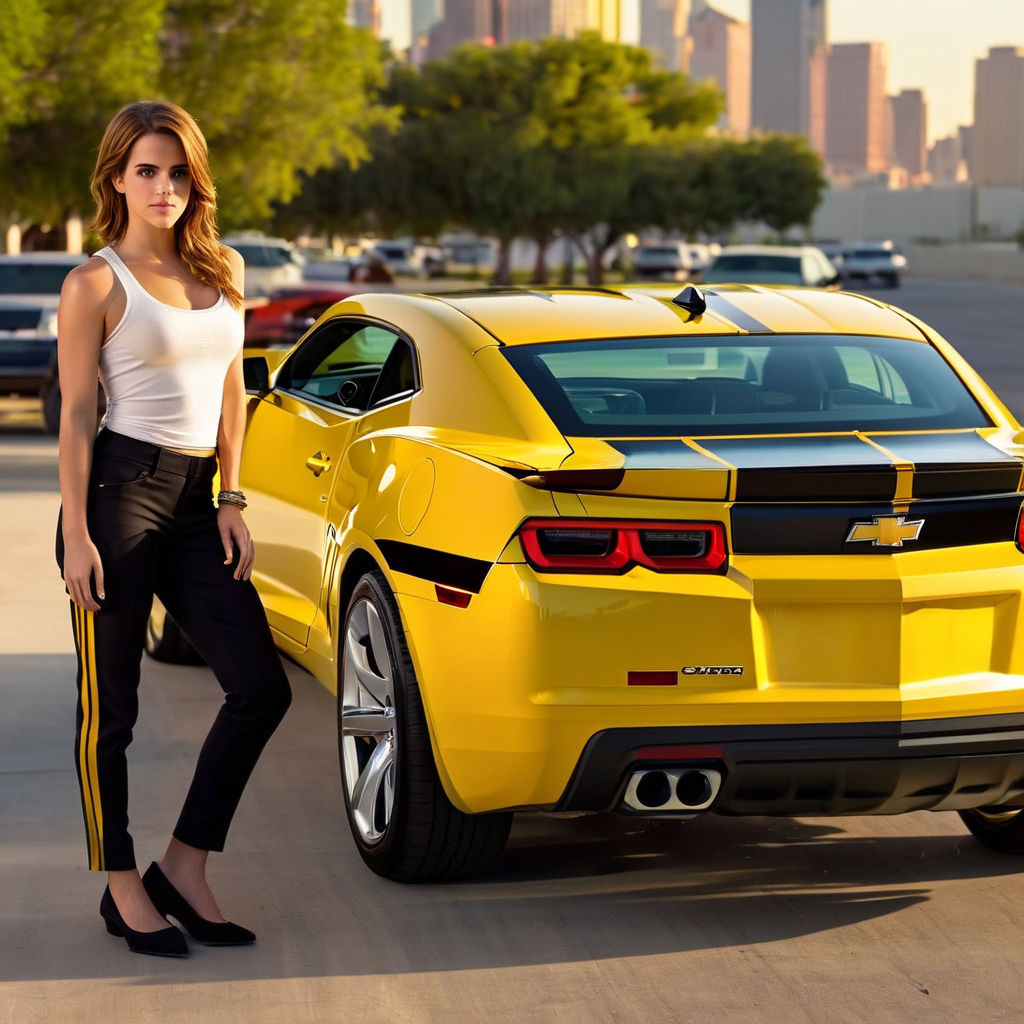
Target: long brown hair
196,229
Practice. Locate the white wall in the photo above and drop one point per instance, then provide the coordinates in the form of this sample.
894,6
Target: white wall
947,213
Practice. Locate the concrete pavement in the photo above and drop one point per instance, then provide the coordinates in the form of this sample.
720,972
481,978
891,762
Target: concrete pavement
897,919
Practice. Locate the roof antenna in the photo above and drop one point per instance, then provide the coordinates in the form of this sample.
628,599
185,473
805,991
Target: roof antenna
692,300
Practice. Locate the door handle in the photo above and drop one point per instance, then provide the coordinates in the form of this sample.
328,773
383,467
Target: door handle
318,463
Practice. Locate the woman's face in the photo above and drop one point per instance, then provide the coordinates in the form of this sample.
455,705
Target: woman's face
156,182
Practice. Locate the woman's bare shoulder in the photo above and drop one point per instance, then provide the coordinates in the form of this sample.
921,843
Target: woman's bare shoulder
234,257
92,281
236,263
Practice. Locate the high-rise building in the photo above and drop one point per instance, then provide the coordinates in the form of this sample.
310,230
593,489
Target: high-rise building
946,161
965,133
997,147
464,21
721,51
536,19
425,14
617,20
788,67
663,31
858,127
910,132
365,14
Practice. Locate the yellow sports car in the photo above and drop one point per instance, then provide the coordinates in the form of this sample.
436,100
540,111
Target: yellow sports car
754,551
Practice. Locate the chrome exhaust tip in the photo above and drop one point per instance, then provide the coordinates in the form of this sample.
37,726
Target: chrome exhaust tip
671,790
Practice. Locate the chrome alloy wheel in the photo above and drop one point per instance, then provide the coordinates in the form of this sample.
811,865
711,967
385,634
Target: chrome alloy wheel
368,723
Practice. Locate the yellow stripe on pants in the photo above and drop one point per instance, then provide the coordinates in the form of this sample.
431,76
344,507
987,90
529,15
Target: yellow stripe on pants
89,737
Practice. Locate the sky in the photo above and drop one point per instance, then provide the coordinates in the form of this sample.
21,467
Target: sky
933,44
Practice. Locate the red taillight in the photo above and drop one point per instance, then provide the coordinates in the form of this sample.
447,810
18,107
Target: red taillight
614,546
1020,528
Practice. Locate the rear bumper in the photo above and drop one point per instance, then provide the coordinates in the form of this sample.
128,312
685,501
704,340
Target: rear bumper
831,769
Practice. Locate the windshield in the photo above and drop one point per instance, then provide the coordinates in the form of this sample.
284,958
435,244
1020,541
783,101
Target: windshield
764,269
657,387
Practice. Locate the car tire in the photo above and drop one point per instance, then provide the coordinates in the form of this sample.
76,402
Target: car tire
51,408
998,828
403,823
165,640
892,280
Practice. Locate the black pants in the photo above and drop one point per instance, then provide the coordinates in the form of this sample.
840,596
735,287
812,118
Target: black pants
151,515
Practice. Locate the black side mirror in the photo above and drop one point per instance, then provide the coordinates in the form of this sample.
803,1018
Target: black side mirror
256,374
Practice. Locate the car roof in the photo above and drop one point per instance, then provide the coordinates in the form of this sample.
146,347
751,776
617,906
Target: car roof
523,316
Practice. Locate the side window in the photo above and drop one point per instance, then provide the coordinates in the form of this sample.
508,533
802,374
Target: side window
861,370
341,363
871,372
397,377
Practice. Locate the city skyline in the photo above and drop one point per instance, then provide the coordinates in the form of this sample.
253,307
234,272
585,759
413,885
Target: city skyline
932,45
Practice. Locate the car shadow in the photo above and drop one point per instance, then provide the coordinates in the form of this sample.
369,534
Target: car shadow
566,889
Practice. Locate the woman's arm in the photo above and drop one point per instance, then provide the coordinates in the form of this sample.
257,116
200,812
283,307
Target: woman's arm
84,301
233,531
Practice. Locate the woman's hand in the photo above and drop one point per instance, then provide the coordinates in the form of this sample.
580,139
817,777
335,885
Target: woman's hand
235,534
82,566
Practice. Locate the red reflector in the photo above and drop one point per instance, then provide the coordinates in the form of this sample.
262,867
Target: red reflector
652,678
680,754
456,598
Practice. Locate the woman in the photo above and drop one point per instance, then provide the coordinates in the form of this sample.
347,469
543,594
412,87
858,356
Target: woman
157,313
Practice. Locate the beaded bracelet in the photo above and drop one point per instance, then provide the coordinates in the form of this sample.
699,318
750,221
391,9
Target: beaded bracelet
236,498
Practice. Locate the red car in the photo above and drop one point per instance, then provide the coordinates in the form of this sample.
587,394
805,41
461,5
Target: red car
288,313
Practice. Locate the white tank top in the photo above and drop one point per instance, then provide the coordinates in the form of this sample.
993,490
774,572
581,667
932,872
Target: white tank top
163,368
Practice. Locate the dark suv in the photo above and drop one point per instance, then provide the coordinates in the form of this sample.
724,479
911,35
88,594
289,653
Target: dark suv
29,290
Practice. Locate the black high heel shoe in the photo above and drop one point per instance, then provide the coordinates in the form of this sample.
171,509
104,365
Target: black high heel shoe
166,942
170,902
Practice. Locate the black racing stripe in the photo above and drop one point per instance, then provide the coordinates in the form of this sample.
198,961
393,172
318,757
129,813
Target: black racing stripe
437,566
662,455
722,307
952,465
823,529
810,468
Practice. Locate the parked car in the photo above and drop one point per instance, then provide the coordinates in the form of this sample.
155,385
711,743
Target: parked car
30,286
801,265
270,263
288,313
866,262
410,259
329,270
701,256
663,261
752,551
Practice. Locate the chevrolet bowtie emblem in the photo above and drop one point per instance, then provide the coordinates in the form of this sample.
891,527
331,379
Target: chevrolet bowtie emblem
886,531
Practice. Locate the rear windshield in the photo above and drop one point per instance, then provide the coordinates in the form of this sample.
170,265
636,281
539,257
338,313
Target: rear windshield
653,387
32,278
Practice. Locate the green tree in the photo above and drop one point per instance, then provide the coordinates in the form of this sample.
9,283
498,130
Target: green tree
780,180
525,139
279,90
89,60
22,29
612,113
